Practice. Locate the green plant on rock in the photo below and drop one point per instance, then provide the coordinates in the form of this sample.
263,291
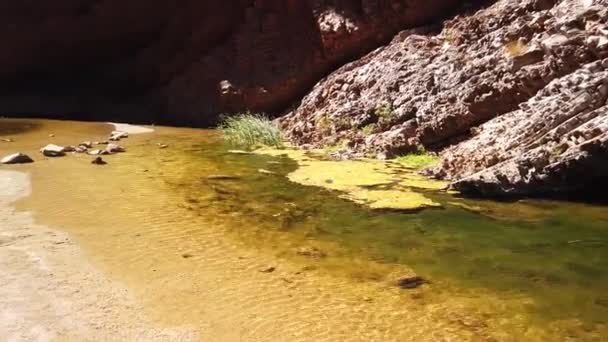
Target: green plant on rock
367,129
452,35
250,129
323,124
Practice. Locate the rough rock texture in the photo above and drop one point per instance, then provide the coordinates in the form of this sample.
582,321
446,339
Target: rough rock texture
516,92
185,62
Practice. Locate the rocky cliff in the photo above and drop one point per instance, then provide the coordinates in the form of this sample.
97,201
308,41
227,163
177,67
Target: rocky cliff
513,97
185,62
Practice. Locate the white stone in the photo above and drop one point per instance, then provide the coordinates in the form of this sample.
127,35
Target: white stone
52,150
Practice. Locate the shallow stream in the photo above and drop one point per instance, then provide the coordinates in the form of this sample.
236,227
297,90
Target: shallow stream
188,241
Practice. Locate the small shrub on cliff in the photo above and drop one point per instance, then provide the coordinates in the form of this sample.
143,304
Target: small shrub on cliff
248,130
385,114
368,129
323,124
516,48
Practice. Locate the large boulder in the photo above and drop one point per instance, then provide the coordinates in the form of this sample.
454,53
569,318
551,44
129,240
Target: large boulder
512,96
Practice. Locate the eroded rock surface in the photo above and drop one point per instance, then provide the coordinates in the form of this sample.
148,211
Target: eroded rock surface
513,95
158,61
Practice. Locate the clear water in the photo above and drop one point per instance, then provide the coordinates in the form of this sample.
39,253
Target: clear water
553,253
519,266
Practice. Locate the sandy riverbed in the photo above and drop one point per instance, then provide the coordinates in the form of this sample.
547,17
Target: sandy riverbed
48,289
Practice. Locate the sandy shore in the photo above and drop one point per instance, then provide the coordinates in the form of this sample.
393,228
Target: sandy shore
48,289
131,129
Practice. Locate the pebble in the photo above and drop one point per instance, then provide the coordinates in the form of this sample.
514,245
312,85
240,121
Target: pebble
267,269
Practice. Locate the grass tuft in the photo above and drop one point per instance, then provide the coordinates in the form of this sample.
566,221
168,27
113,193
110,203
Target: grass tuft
248,130
516,48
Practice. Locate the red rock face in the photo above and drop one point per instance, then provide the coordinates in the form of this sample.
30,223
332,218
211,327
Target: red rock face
185,62
513,97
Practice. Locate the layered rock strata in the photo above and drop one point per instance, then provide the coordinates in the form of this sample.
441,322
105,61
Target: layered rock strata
512,96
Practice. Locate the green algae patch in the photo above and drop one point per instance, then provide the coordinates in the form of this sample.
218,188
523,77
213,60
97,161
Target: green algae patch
392,199
369,182
417,161
414,180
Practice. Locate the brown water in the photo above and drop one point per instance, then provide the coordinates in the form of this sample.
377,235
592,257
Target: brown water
192,247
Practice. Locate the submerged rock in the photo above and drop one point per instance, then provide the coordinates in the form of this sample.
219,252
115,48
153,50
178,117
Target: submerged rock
411,282
52,150
311,252
223,177
266,172
98,161
267,269
17,158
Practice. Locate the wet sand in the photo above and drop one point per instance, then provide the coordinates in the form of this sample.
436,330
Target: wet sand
49,291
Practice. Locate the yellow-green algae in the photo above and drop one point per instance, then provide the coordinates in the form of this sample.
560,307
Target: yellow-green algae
417,161
369,182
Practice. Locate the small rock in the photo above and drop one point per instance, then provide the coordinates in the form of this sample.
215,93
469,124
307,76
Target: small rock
114,148
7,140
187,255
98,161
267,269
80,149
98,152
86,144
104,142
117,135
411,282
311,252
17,158
52,150
162,146
69,149
222,177
51,135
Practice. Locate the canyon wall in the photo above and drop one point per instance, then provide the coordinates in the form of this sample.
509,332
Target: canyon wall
185,62
513,97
